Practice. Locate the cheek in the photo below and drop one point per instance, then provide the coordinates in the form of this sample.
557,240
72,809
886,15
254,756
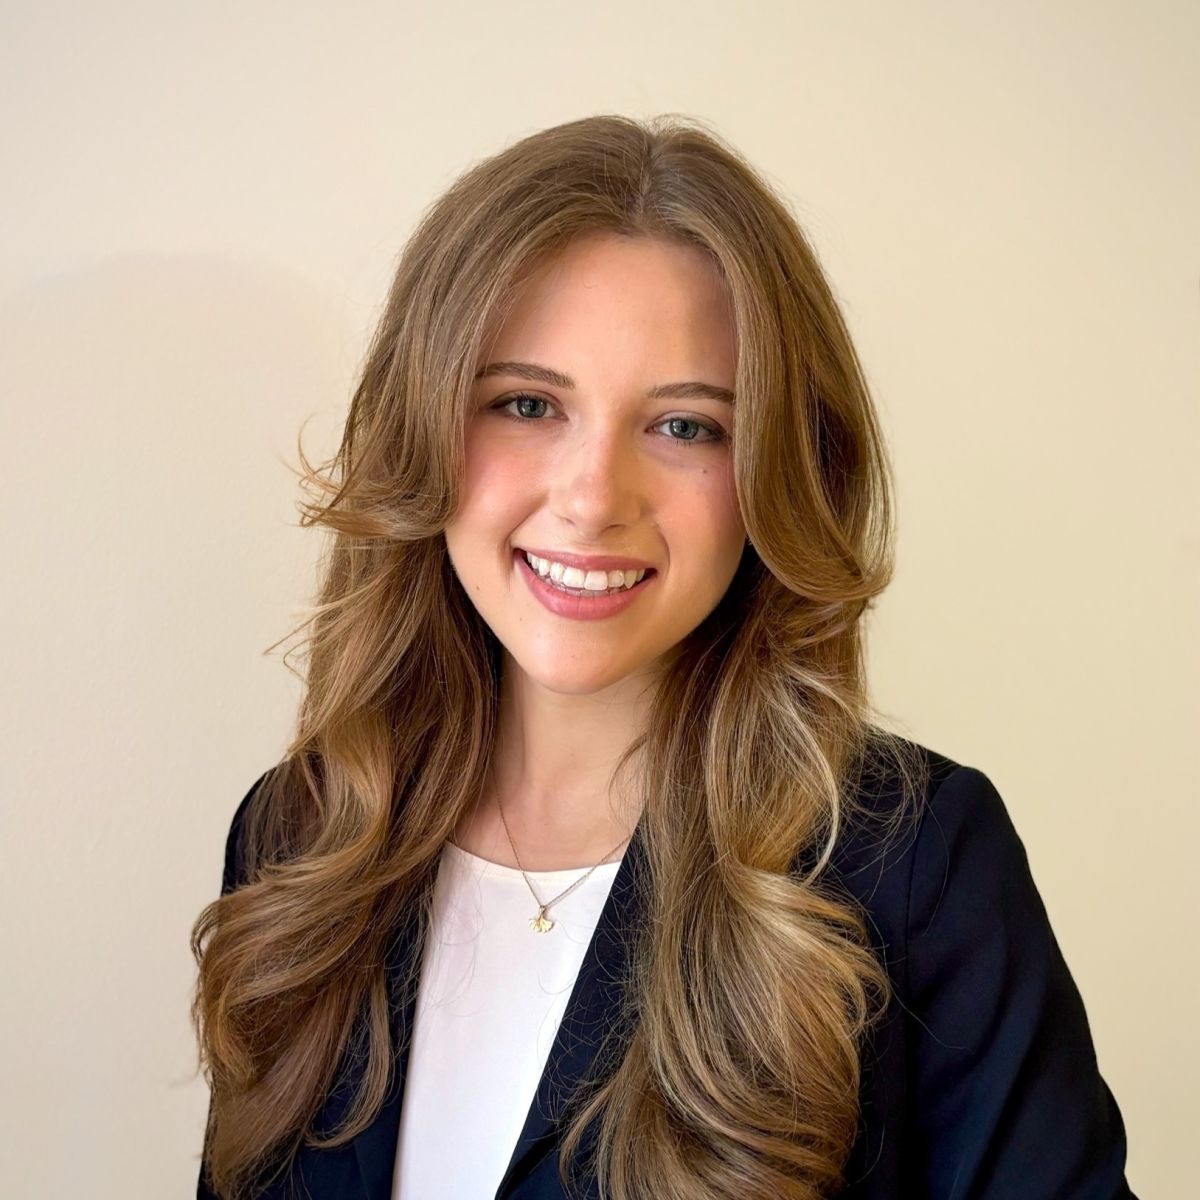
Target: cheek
713,506
705,538
495,480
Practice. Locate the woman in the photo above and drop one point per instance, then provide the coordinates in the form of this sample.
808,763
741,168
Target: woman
587,871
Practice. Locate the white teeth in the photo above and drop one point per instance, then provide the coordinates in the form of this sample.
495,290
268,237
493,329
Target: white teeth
573,577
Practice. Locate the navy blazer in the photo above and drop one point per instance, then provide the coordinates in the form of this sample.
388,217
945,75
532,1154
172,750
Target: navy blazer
980,1081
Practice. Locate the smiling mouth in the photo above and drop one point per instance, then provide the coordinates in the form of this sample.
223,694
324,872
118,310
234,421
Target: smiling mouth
590,593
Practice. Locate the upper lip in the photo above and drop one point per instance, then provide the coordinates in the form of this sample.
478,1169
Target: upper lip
591,562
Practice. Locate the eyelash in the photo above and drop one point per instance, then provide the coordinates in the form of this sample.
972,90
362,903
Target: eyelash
717,432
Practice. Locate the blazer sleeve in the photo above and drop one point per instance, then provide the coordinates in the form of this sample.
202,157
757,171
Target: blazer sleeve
1009,1100
232,876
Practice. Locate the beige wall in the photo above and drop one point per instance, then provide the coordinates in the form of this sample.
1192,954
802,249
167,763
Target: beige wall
202,212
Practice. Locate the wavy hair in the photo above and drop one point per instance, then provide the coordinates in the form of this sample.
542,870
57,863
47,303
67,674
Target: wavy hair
754,980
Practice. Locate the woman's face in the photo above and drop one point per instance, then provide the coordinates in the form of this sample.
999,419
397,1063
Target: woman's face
579,457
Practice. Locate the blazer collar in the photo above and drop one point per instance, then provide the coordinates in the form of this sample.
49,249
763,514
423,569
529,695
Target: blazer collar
595,997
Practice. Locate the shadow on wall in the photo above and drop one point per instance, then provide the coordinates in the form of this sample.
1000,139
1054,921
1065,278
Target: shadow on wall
138,394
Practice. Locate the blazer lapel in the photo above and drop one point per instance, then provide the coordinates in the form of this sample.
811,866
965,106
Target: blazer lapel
588,1017
376,1145
595,997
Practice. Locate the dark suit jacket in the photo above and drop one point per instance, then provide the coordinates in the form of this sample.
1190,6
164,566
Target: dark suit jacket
980,1082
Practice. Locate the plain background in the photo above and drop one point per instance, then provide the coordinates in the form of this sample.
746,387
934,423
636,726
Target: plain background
204,203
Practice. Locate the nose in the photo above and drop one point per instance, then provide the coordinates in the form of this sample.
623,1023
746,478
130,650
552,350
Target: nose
598,482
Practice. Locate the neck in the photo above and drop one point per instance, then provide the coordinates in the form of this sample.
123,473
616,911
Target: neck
599,834
553,769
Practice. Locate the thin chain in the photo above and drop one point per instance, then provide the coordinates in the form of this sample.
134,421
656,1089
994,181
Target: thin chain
546,905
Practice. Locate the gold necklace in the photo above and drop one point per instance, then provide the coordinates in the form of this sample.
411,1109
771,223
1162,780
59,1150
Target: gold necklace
542,923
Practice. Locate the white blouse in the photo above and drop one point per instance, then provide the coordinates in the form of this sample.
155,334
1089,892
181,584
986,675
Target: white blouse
491,995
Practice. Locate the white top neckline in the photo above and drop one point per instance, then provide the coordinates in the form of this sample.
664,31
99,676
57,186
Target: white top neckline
492,995
501,871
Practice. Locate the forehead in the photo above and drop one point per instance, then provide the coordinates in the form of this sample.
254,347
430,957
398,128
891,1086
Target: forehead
605,297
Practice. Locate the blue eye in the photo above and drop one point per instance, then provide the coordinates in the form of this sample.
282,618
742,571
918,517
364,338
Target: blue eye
715,432
503,404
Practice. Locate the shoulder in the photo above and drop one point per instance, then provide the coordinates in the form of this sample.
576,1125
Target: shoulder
916,819
998,1047
276,820
237,869
887,802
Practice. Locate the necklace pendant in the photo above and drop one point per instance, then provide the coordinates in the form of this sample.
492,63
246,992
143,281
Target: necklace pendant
541,923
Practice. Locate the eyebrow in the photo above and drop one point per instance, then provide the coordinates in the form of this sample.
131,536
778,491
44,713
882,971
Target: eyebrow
535,373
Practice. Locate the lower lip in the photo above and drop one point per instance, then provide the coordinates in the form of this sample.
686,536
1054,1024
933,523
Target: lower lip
580,608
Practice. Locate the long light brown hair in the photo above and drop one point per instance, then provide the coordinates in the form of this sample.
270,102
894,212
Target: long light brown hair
754,980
